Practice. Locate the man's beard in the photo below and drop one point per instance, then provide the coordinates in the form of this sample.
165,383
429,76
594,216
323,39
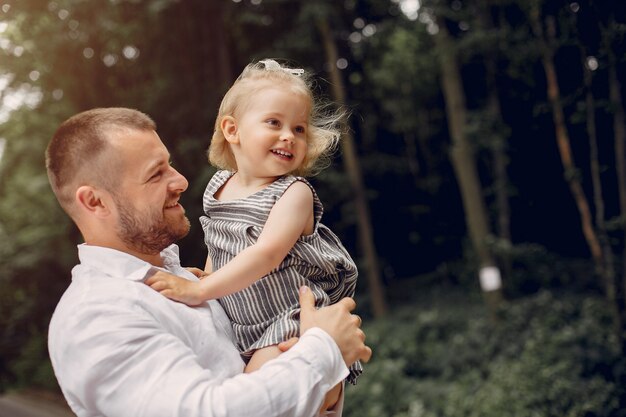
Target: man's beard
149,233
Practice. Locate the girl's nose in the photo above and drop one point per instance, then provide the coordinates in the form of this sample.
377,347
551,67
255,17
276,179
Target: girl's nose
287,136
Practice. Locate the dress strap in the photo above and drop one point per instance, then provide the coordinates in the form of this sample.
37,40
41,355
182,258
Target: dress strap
280,186
216,182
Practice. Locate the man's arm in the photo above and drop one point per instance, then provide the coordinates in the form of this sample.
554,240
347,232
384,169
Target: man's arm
136,367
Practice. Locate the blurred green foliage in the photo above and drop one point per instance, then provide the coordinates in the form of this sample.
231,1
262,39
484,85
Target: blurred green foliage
36,250
549,355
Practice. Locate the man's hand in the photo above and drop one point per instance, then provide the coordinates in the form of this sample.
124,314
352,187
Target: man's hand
337,321
175,288
288,344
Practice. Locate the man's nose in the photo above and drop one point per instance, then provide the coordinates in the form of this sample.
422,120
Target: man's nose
178,182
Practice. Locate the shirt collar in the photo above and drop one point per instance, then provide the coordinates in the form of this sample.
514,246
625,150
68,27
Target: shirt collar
122,265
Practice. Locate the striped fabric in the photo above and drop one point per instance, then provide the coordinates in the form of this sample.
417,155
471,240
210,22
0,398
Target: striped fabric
267,312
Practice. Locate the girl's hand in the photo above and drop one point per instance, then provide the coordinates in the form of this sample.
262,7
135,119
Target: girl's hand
198,272
175,288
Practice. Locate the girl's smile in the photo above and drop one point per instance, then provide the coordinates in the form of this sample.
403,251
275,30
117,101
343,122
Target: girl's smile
270,139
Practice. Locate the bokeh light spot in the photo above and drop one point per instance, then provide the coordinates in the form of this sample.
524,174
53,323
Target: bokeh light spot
130,52
109,60
57,94
355,37
592,63
369,30
409,8
359,23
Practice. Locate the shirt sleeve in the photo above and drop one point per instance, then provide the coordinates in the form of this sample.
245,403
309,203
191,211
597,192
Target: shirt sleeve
126,364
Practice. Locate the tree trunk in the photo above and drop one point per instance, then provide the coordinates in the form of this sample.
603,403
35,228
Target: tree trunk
353,169
607,272
562,136
464,164
619,132
498,146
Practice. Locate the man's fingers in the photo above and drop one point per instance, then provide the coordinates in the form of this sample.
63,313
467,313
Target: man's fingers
338,322
348,303
307,300
287,344
361,335
366,355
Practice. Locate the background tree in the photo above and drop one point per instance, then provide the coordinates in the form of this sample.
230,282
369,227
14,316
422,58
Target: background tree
612,33
488,41
463,160
353,168
547,39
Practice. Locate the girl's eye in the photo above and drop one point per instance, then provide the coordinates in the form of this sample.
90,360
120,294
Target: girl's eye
273,122
300,129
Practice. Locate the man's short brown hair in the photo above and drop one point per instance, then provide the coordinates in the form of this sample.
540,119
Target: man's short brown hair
75,154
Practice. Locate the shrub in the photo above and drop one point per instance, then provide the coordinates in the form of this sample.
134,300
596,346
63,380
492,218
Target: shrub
549,355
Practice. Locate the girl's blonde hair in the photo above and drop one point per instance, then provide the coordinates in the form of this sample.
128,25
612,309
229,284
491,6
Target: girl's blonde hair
324,123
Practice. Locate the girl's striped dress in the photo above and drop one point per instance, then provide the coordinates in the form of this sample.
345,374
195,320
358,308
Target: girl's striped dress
267,312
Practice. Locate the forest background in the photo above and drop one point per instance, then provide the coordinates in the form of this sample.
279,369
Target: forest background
480,185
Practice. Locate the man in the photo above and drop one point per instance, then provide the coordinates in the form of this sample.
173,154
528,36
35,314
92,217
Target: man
118,347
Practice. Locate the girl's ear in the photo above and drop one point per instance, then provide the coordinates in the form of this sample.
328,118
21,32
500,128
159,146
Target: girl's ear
229,129
90,200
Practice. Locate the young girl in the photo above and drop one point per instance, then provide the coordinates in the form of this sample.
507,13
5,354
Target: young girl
262,225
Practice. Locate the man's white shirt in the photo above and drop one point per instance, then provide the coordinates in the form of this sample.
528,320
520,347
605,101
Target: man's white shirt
119,348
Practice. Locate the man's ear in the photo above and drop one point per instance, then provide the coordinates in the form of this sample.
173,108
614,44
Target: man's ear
92,200
230,129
